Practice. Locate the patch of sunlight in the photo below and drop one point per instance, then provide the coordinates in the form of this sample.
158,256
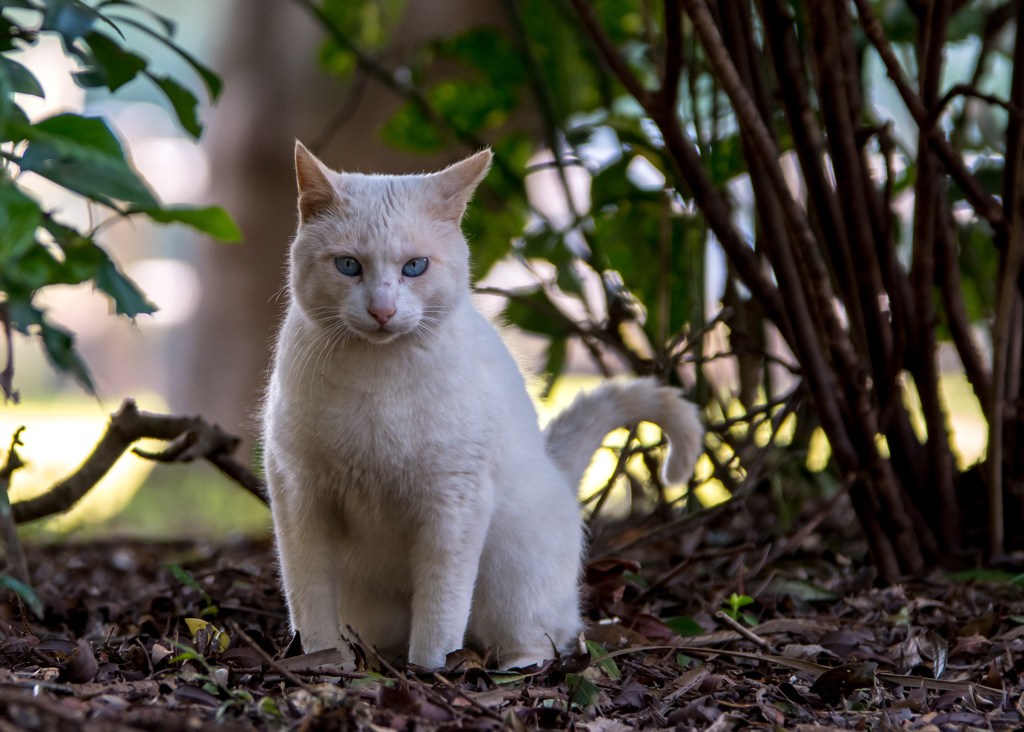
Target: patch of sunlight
818,451
712,492
58,436
968,429
967,420
912,401
562,393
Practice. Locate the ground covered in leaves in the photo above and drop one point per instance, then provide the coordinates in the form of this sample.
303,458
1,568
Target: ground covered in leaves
185,636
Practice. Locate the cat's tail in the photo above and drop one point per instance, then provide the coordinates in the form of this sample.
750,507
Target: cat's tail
574,435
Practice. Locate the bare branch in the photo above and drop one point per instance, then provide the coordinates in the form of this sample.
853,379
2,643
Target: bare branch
8,530
975,368
984,203
191,438
966,90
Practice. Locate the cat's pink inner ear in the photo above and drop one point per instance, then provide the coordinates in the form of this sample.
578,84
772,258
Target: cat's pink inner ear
456,183
316,194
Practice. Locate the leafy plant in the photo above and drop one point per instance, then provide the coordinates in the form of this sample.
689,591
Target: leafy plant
735,603
82,155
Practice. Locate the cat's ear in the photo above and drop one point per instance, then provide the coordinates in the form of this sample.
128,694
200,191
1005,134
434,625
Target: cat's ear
455,184
316,193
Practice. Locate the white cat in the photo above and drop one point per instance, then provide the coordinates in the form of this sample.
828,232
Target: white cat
415,499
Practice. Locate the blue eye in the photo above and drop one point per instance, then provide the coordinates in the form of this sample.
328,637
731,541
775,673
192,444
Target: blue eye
348,266
415,267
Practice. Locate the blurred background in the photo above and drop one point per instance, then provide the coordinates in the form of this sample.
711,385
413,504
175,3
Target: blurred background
207,348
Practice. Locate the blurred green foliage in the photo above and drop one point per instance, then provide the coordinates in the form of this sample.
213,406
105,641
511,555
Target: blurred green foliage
537,81
82,155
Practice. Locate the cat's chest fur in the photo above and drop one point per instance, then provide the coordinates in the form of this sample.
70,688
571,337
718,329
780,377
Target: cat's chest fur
385,423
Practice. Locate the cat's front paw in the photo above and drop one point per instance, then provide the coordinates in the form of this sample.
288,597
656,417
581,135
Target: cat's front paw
313,641
427,658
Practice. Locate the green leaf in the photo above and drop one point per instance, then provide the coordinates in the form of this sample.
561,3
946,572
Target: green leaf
213,220
169,25
74,133
60,348
72,19
183,101
83,155
182,575
116,66
473,106
21,79
683,625
490,228
268,706
210,79
582,692
966,23
612,186
6,100
25,592
64,235
409,129
531,310
126,296
19,218
23,313
81,263
623,19
488,50
738,601
34,269
608,665
727,160
13,120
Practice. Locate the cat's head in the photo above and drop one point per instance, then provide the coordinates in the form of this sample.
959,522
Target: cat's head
381,256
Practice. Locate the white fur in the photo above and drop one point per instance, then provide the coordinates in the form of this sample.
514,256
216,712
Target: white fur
415,499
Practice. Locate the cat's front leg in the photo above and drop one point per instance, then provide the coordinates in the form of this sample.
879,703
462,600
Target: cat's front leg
445,562
304,531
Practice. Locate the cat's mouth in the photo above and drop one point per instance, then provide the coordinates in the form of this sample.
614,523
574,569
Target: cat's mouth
381,334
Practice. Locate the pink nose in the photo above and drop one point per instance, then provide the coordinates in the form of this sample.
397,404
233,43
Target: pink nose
382,314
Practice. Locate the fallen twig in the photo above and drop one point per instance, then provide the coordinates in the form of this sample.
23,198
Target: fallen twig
265,657
738,627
